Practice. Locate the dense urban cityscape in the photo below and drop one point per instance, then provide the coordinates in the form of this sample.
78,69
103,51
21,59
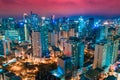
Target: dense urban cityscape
59,40
50,48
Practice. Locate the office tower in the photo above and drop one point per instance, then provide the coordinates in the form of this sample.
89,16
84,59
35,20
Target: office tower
49,37
91,23
118,29
96,33
21,30
100,55
71,32
2,47
40,40
81,25
53,24
103,32
54,39
90,26
36,44
113,42
67,49
66,66
64,34
74,48
44,37
106,52
34,21
112,31
12,35
10,23
4,21
64,24
26,30
109,53
62,43
115,48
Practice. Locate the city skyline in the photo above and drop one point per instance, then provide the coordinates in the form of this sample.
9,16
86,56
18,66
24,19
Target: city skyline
59,40
103,8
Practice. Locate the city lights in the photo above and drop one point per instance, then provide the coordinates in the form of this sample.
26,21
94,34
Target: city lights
59,40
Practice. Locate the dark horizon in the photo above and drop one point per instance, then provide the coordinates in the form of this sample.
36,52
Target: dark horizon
71,16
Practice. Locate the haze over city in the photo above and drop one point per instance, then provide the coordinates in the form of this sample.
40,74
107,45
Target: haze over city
103,8
59,40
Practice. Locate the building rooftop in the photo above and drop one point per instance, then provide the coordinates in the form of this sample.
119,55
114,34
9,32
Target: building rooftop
102,42
111,78
93,73
74,39
58,72
3,71
64,57
16,78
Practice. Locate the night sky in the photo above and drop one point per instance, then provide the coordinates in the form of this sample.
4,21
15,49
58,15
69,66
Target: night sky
60,7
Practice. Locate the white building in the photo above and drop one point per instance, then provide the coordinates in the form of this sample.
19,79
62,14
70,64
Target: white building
100,55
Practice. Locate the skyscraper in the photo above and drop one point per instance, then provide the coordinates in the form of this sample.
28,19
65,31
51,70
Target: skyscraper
10,23
2,47
103,32
115,48
54,39
81,25
26,28
44,37
100,55
36,44
66,65
34,21
12,35
74,48
40,40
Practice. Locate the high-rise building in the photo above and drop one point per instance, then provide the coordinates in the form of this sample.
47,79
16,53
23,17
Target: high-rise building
44,37
4,46
40,40
21,30
90,26
54,39
26,27
91,23
81,25
100,55
71,32
66,65
36,44
26,32
62,43
74,48
12,35
115,48
11,23
112,49
106,52
34,21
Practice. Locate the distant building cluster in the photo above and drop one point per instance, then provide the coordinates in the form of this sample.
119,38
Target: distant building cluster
83,49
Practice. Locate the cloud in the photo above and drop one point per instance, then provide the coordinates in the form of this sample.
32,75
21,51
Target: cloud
65,7
9,1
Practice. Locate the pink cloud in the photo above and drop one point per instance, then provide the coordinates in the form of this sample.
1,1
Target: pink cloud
64,7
